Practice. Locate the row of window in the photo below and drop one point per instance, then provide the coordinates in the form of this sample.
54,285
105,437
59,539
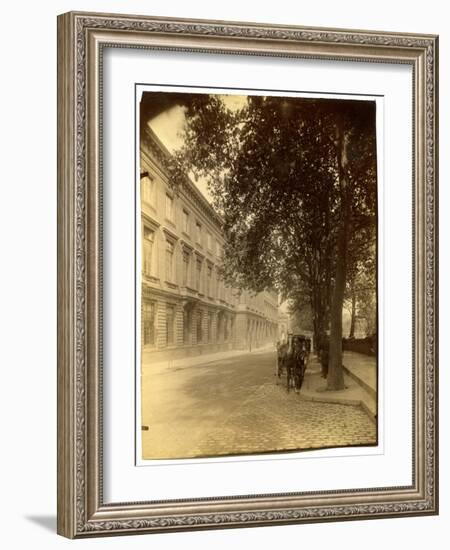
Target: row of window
149,327
203,331
148,196
148,267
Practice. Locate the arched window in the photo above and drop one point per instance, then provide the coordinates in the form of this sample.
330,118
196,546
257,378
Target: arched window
148,243
198,275
147,189
170,247
186,266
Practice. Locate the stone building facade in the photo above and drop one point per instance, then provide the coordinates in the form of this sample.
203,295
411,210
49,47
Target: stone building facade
186,308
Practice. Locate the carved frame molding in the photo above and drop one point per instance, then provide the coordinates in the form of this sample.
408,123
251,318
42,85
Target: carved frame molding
81,37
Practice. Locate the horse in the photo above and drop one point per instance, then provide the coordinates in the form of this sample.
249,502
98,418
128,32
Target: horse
296,364
282,353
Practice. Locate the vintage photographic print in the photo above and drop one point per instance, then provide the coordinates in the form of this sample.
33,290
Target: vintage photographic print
257,273
247,274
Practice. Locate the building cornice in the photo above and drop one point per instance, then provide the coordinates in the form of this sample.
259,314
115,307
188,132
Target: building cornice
153,146
148,220
170,233
186,246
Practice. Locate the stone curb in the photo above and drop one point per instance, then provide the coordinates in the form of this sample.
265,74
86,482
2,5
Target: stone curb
341,401
360,381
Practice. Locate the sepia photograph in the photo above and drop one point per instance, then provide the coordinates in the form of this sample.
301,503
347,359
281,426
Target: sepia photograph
256,272
247,274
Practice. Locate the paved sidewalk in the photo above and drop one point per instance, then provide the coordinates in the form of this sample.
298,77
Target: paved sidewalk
359,379
363,369
234,407
359,376
200,360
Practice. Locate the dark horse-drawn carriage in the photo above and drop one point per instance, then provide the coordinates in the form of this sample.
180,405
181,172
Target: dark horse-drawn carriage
292,359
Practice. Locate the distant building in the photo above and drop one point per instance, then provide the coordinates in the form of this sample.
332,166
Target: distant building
186,307
283,326
288,323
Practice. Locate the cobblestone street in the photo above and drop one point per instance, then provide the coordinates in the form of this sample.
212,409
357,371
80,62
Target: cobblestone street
233,406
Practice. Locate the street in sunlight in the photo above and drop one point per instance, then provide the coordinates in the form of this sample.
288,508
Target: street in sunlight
257,268
234,406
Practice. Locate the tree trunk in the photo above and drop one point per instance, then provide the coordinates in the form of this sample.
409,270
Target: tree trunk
315,335
335,378
353,317
319,332
319,317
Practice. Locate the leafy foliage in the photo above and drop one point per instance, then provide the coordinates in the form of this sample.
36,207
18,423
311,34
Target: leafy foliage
275,170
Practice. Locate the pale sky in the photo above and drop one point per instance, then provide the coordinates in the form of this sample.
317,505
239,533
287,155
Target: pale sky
169,124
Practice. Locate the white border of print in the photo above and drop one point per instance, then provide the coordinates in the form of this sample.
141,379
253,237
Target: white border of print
390,463
344,451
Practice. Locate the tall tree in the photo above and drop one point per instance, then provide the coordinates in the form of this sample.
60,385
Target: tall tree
294,180
355,151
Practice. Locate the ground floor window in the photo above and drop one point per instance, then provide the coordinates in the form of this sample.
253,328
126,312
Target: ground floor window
148,315
199,327
225,330
210,326
170,318
187,319
219,326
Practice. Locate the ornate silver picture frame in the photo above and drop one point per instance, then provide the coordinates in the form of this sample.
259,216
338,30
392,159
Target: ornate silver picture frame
83,509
